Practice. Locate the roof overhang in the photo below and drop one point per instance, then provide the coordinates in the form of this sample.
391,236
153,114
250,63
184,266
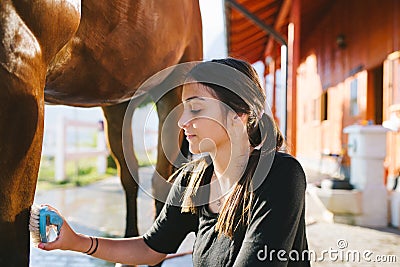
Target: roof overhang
254,27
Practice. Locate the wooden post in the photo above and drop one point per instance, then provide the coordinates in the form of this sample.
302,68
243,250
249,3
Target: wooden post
101,146
59,155
294,61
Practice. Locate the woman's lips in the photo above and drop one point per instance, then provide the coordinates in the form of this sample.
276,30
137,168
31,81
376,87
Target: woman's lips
190,136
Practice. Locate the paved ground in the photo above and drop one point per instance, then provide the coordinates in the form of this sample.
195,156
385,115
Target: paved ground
98,209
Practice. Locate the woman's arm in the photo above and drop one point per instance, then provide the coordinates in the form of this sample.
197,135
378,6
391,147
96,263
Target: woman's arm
122,250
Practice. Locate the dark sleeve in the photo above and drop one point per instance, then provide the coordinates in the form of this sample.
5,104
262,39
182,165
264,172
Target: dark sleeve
277,221
171,226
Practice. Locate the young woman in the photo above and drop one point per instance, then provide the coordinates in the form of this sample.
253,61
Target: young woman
242,197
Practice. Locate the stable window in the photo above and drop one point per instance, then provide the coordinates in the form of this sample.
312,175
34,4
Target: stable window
324,106
354,109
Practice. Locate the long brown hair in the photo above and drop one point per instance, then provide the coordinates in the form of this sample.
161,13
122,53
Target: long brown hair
239,88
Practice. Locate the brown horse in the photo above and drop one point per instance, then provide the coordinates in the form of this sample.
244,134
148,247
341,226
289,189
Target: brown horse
80,53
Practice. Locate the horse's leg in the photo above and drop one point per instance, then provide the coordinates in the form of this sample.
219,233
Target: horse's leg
169,141
21,133
26,48
114,128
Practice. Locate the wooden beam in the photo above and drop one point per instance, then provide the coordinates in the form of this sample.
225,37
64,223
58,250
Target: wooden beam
283,12
256,8
245,23
257,21
248,36
248,44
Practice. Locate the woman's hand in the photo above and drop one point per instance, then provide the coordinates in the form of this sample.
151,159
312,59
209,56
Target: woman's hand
68,239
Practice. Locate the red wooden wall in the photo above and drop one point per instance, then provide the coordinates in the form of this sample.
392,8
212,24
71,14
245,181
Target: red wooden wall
370,31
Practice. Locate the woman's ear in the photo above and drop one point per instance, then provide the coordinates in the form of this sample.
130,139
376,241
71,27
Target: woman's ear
243,117
235,117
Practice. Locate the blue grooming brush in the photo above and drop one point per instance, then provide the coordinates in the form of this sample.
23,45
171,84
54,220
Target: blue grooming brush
47,218
42,219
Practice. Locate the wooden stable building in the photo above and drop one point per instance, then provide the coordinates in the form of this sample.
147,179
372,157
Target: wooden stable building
341,59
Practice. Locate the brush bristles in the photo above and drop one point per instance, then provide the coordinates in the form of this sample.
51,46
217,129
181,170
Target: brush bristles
34,224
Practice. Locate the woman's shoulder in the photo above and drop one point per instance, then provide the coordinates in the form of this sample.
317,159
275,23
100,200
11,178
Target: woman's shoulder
286,163
285,158
285,172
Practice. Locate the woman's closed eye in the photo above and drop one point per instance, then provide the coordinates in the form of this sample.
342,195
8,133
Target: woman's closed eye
195,111
194,108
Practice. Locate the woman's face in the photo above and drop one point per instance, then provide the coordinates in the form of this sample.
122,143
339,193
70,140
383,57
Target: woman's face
203,120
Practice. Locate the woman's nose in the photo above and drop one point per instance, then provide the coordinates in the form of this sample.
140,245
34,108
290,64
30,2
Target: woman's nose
183,121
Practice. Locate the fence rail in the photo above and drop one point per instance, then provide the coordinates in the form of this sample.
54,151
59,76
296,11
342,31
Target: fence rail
62,153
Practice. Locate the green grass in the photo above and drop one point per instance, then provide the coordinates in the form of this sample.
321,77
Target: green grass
78,173
148,160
